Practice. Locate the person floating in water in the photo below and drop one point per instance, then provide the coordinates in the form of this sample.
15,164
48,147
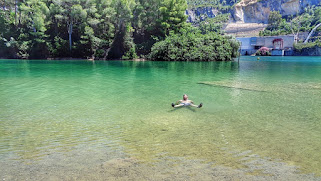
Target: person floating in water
186,102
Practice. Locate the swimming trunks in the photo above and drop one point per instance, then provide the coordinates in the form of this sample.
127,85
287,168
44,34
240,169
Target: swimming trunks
185,103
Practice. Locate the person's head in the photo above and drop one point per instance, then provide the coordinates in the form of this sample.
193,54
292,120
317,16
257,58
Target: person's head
185,97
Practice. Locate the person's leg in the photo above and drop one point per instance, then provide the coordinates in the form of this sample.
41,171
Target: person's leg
179,105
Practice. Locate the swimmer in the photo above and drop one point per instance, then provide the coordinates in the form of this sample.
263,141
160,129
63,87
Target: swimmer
186,102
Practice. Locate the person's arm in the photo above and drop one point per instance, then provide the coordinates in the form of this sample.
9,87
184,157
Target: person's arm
179,105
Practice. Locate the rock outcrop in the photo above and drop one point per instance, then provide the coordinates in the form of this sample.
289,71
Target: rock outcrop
253,11
257,11
201,13
249,17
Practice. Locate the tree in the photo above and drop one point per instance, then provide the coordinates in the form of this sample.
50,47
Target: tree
146,14
172,15
4,24
96,29
32,35
295,27
123,41
145,24
71,13
99,29
274,20
35,13
213,24
191,45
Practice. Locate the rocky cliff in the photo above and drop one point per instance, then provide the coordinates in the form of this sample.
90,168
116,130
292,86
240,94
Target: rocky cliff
253,11
257,11
201,13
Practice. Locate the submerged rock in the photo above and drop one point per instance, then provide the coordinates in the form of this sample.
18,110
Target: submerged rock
273,88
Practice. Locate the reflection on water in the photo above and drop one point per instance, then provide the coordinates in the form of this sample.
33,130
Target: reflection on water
60,117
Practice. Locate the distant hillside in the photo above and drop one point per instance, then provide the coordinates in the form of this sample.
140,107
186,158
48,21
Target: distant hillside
199,10
257,11
220,4
246,11
247,17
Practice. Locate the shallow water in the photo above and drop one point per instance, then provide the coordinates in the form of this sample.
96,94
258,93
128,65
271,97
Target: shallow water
113,120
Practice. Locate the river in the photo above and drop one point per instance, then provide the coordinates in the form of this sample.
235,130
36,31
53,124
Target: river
113,120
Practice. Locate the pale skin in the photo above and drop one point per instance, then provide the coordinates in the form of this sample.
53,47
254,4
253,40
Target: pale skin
186,102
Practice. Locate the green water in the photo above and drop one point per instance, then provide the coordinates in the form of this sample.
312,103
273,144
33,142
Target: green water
112,119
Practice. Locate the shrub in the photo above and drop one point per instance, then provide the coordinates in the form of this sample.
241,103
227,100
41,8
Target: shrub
300,46
194,46
263,51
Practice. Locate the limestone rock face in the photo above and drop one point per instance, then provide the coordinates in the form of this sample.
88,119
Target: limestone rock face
201,13
253,11
291,7
258,11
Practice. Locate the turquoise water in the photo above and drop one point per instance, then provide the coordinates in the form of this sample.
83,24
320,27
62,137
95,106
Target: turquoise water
112,119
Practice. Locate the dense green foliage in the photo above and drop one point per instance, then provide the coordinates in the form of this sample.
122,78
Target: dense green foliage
300,46
293,24
108,29
222,5
86,28
191,45
213,24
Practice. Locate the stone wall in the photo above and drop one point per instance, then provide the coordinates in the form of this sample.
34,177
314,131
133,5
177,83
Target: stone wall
277,52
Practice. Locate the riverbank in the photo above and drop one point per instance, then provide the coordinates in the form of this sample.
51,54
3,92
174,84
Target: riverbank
70,58
310,51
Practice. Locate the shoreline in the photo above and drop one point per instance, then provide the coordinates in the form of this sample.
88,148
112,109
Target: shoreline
70,58
130,168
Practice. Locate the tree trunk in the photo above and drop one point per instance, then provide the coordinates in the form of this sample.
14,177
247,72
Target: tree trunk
70,33
33,26
15,12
